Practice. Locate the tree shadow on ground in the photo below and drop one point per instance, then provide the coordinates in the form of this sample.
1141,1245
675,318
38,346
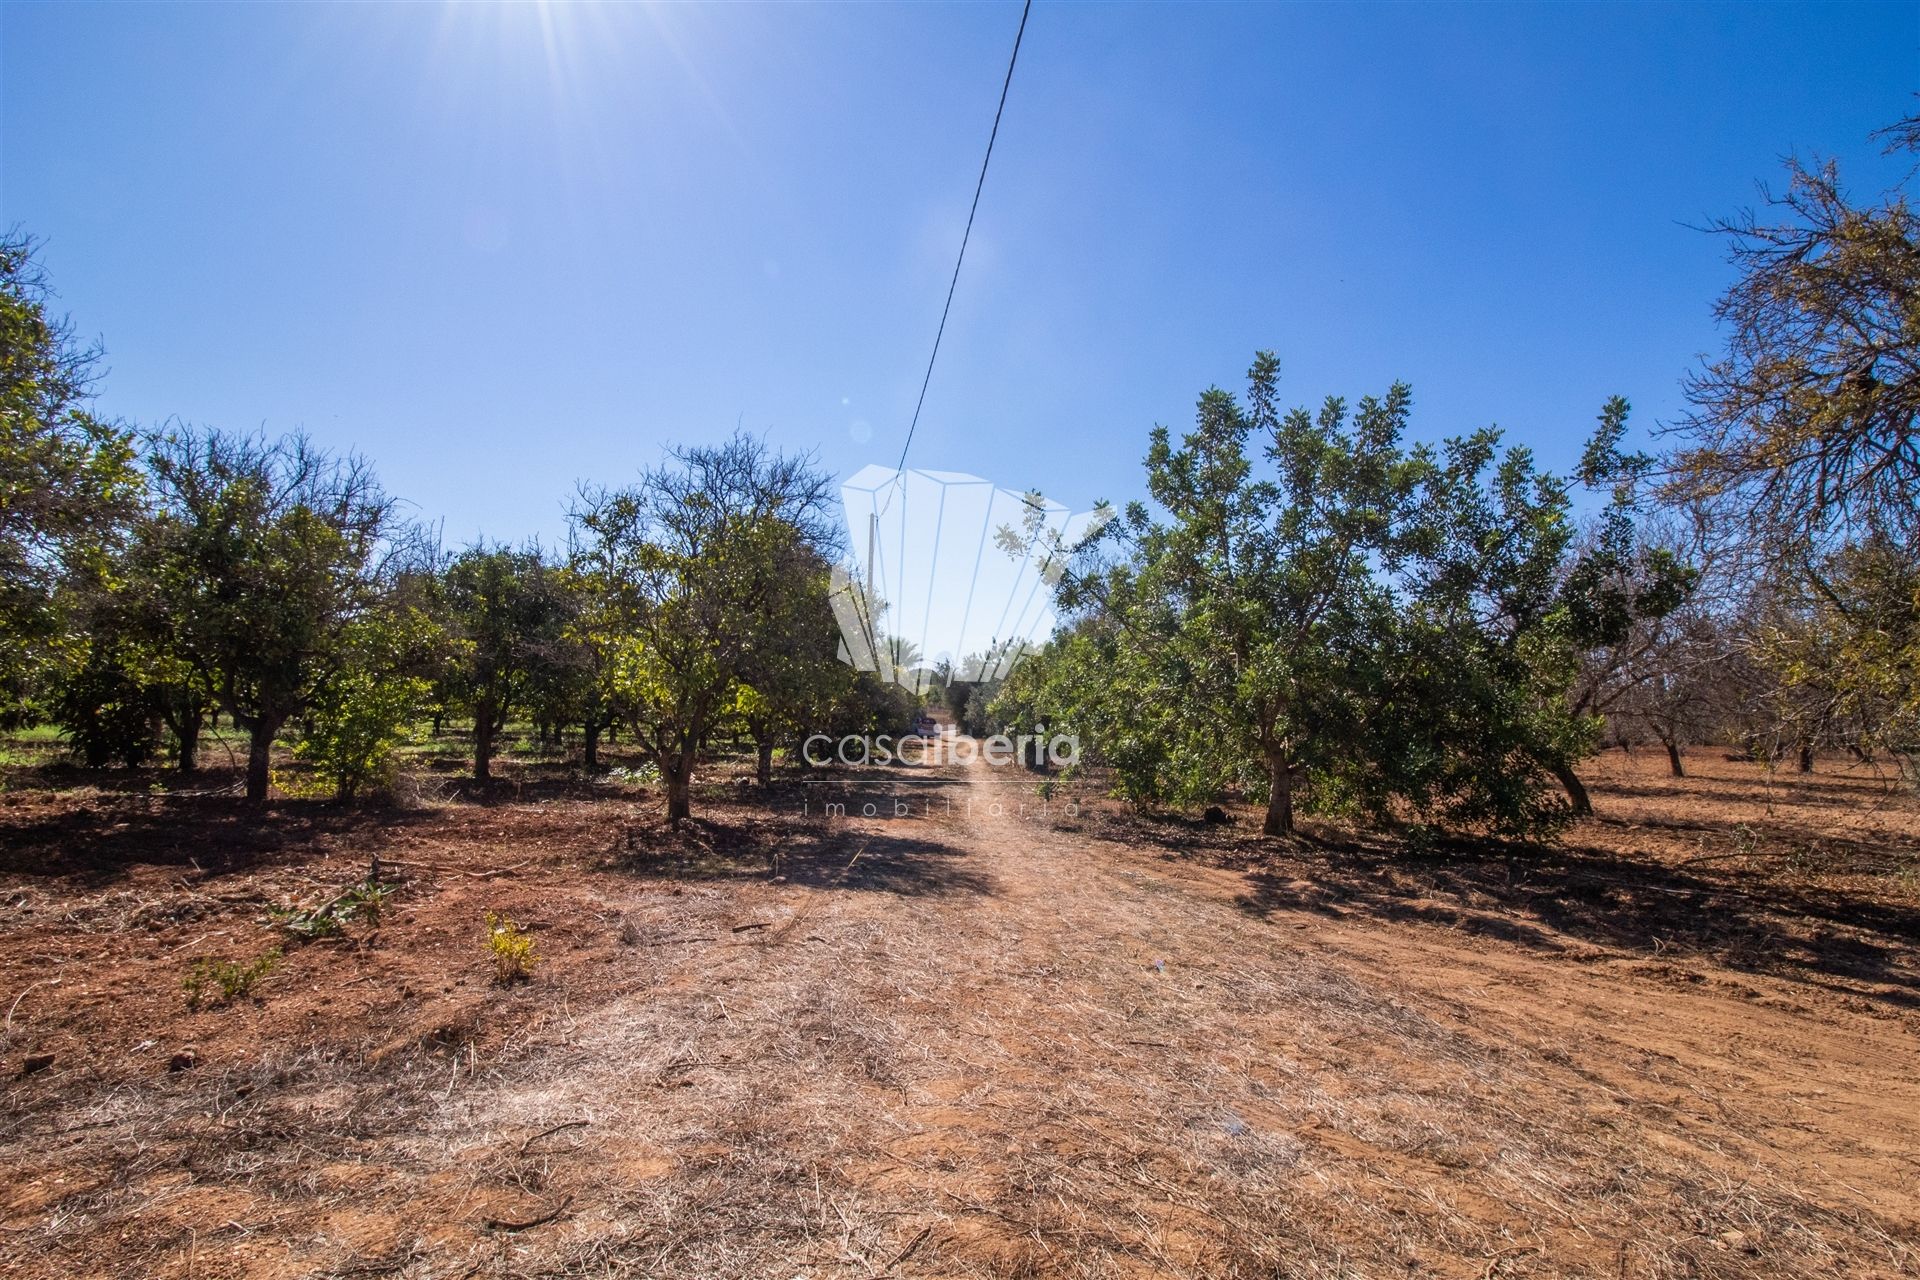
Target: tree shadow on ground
1785,790
1572,899
93,844
794,842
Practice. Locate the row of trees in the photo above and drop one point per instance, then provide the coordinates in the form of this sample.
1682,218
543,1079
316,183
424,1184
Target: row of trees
1313,607
147,583
1311,611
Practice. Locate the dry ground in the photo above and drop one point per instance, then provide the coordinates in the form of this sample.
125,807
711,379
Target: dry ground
968,1041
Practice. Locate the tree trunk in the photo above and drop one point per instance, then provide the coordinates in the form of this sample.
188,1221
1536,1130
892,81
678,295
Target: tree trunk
1279,797
764,767
590,735
483,744
1674,766
677,773
1806,757
260,758
187,752
1576,790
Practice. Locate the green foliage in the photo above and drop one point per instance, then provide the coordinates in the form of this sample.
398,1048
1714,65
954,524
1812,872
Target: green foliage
789,679
67,480
691,574
269,553
866,704
1618,580
363,901
511,949
105,706
358,719
230,978
512,614
1843,642
1378,628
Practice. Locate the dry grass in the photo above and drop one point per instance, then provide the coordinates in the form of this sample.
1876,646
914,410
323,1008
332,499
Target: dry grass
967,1044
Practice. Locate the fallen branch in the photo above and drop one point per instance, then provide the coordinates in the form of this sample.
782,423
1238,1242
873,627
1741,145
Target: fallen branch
570,1124
442,867
44,982
508,1224
907,1252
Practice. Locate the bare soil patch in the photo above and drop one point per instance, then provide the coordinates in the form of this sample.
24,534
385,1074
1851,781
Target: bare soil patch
993,1035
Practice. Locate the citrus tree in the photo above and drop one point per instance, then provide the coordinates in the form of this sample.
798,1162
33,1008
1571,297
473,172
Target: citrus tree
690,568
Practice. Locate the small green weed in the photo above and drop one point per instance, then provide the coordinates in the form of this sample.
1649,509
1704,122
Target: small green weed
230,978
512,950
296,785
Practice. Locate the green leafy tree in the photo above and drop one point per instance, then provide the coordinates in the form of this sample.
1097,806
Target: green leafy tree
68,482
358,719
1384,627
789,676
272,551
1472,727
132,679
864,704
687,565
104,706
510,611
1247,620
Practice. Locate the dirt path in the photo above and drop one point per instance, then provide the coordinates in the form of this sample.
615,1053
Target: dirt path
1024,1052
982,1038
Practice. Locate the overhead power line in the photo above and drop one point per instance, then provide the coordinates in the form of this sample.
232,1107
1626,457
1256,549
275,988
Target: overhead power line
978,186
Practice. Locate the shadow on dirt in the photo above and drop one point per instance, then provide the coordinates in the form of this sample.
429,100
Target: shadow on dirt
1570,899
1783,789
93,843
792,833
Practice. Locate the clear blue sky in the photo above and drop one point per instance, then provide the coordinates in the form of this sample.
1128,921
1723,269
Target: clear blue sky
503,248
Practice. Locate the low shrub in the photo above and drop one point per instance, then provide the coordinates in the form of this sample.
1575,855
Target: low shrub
231,978
512,949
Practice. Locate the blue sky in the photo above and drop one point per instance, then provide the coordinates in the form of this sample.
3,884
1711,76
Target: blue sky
500,249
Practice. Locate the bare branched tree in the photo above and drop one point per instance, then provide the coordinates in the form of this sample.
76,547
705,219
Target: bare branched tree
1806,426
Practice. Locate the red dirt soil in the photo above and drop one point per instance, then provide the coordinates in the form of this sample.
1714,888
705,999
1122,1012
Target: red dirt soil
991,1036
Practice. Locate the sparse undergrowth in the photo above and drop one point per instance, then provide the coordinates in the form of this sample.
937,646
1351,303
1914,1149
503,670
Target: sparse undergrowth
974,1043
230,978
363,901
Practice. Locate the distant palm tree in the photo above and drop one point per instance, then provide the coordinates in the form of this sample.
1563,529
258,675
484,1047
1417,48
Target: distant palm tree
903,655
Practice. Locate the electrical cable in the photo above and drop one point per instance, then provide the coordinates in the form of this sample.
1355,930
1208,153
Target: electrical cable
952,284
